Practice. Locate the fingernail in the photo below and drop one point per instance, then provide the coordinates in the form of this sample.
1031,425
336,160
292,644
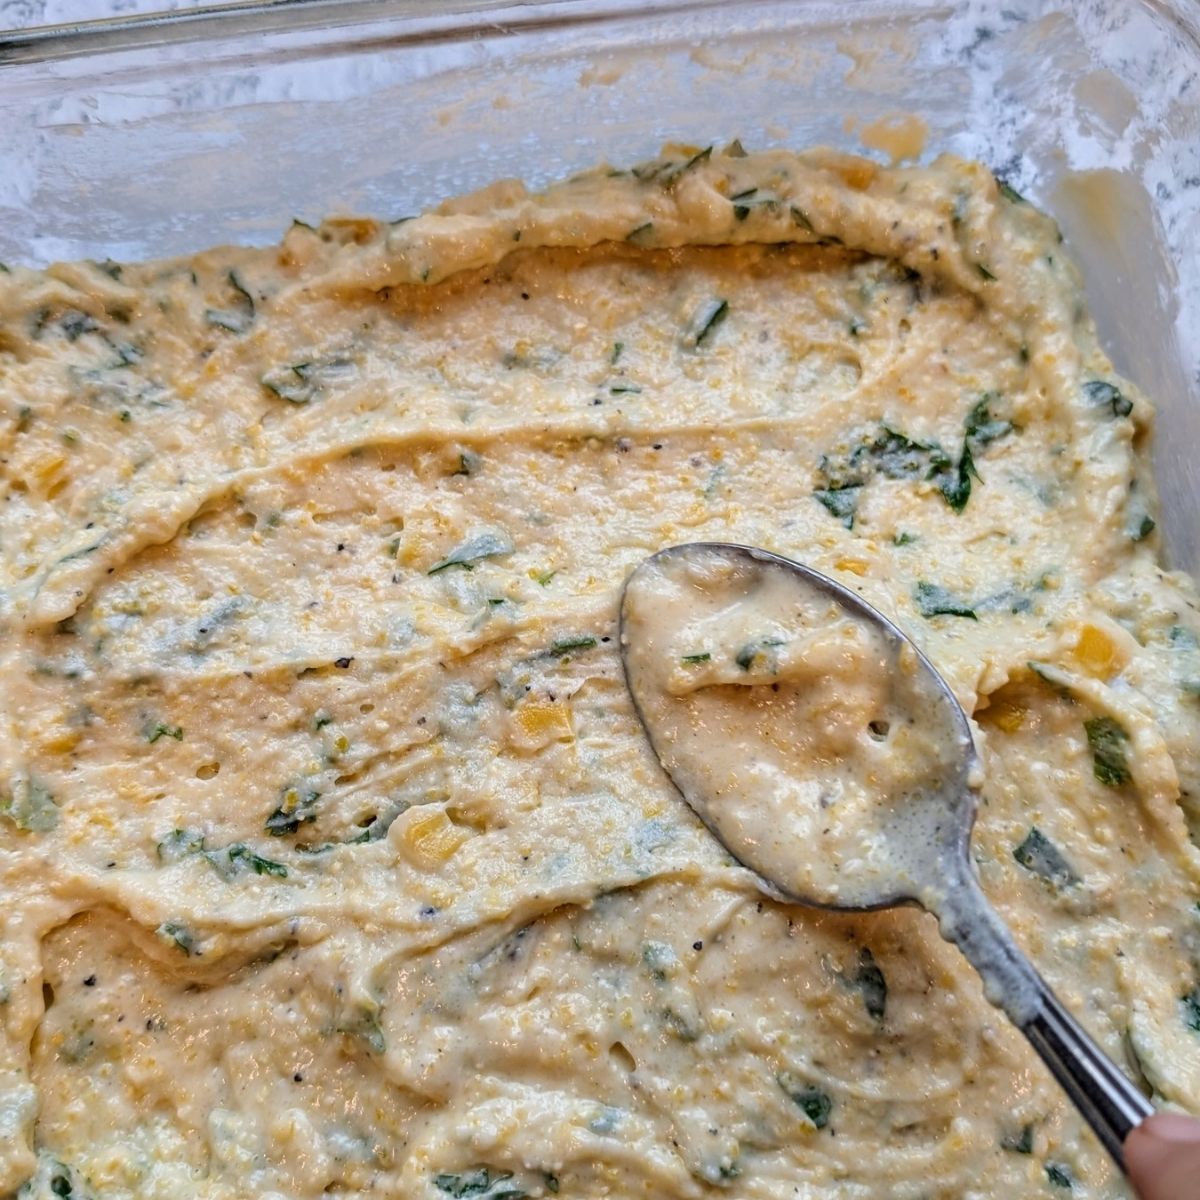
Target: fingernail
1170,1127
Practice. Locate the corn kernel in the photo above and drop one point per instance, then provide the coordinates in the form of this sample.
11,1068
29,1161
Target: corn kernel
62,742
856,566
539,722
1007,716
1095,652
47,467
427,838
857,173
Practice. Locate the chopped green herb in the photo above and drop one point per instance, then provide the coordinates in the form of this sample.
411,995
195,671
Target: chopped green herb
159,730
1101,393
321,718
1010,193
1051,675
82,552
222,318
955,485
812,1101
981,426
985,272
685,1029
484,1182
1108,741
671,176
904,538
239,318
296,807
622,387
305,381
242,856
666,172
565,646
842,502
1191,1009
468,463
640,233
543,578
800,217
751,198
885,452
759,650
179,844
1059,1175
979,429
704,322
1183,638
178,935
871,982
75,324
714,484
934,600
29,806
661,960
900,457
486,545
551,1182
694,659
856,327
242,290
1020,1142
1037,853
1142,529
617,350
367,1027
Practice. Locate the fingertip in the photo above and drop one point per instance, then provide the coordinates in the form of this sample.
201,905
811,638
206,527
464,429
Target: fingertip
1162,1155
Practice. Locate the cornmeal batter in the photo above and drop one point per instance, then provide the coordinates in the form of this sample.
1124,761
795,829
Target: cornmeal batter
334,859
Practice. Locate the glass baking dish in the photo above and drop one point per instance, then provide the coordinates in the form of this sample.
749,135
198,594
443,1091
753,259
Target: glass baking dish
154,136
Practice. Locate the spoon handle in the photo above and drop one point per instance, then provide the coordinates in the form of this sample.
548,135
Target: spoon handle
1106,1099
1110,1104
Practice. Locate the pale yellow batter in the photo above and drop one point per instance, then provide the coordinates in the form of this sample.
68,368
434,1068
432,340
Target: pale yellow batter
333,858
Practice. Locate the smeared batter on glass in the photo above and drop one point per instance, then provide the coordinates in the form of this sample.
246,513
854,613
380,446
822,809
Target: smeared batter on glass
334,859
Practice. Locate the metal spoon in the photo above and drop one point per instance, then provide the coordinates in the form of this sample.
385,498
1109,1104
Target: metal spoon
916,849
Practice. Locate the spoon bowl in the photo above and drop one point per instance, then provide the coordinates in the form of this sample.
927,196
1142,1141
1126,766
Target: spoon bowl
734,647
828,755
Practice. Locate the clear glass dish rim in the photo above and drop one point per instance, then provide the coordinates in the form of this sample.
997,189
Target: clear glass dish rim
414,21
409,20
